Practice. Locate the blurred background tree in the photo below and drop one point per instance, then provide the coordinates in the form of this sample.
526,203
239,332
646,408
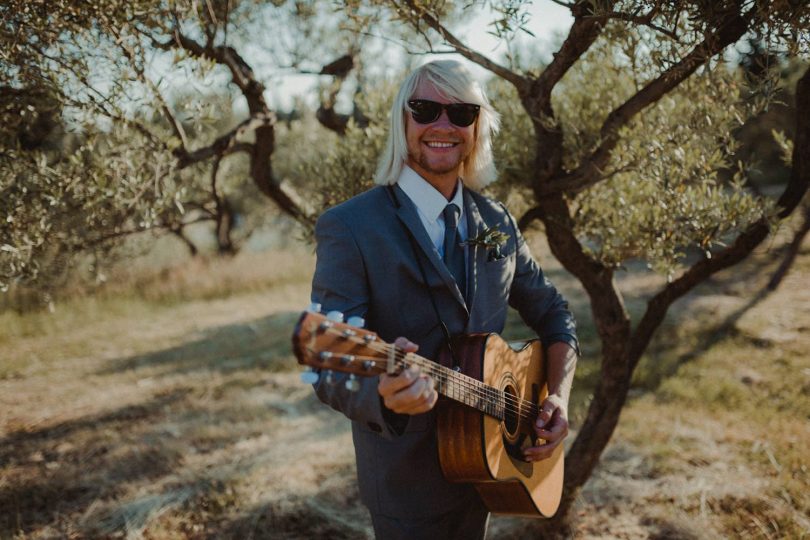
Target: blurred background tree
121,118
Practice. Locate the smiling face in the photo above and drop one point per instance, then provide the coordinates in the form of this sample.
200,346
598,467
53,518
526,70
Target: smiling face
437,150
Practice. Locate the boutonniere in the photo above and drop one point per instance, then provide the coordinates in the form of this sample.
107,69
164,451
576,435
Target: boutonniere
490,238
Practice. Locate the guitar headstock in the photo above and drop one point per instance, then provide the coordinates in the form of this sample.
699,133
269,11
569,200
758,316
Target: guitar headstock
325,342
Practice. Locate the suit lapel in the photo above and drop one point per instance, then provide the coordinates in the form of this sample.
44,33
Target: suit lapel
410,218
475,226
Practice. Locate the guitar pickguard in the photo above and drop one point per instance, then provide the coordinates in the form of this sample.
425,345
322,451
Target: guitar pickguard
515,452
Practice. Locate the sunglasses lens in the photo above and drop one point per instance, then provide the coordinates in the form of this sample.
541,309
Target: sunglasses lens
425,111
462,114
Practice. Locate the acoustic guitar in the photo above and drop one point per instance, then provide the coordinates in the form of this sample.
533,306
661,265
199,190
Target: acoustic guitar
486,419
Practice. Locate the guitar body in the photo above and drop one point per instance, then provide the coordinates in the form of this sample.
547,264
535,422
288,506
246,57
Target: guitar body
479,449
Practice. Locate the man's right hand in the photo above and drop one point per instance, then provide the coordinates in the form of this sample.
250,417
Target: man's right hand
410,392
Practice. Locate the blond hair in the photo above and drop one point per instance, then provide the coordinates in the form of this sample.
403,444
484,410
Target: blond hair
451,79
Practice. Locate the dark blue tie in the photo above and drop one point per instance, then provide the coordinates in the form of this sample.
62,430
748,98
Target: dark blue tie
453,250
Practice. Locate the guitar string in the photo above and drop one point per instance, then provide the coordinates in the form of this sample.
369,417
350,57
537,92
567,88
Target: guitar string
523,411
466,381
522,408
460,386
473,386
478,388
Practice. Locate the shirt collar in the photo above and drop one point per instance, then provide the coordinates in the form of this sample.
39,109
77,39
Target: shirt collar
427,198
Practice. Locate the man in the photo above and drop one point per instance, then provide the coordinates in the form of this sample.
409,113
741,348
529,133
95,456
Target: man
395,255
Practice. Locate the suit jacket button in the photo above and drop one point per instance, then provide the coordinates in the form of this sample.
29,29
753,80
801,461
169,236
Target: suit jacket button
375,427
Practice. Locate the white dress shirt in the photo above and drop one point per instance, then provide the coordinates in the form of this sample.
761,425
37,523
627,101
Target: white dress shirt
430,205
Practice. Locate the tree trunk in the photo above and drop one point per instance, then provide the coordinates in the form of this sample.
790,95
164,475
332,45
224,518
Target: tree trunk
792,252
613,326
192,248
621,348
226,219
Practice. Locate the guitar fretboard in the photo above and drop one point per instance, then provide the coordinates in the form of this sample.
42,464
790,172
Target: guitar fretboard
377,357
463,388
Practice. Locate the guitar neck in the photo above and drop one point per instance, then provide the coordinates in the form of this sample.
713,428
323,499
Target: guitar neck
330,345
467,390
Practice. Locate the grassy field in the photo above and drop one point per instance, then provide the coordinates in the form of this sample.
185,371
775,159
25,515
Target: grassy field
167,405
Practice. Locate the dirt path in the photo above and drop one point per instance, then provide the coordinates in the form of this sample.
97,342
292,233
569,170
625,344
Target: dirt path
188,421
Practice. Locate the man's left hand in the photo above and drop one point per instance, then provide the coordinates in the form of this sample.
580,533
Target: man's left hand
551,426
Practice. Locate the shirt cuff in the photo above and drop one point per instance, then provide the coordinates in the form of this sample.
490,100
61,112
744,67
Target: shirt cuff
563,338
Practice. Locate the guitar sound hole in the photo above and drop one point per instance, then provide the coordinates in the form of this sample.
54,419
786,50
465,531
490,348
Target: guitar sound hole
510,417
513,439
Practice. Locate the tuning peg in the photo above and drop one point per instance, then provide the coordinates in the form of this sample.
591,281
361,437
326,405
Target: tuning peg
347,359
330,379
357,322
314,307
334,316
352,384
310,376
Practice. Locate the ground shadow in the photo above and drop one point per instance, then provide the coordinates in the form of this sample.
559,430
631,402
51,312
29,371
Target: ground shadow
109,474
61,470
294,520
262,343
653,374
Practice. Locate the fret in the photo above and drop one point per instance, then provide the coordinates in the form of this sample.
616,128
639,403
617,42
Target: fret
460,387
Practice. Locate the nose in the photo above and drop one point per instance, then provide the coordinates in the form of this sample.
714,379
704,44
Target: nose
443,121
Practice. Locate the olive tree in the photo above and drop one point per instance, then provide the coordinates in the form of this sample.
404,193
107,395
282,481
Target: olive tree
125,117
622,147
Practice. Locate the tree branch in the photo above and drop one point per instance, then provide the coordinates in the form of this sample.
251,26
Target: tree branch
95,242
520,82
536,98
591,170
746,242
241,73
404,46
226,144
262,122
526,219
583,33
103,103
178,232
643,20
176,126
326,113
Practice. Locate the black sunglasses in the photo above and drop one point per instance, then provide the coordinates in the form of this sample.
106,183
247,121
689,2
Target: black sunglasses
425,111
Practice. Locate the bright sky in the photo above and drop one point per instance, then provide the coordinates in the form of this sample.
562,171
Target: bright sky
549,22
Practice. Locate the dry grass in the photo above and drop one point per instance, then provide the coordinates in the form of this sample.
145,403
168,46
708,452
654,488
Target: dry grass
166,408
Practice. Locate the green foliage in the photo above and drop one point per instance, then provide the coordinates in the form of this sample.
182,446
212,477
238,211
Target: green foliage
513,147
116,67
54,206
785,145
301,144
668,187
347,166
116,72
664,192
